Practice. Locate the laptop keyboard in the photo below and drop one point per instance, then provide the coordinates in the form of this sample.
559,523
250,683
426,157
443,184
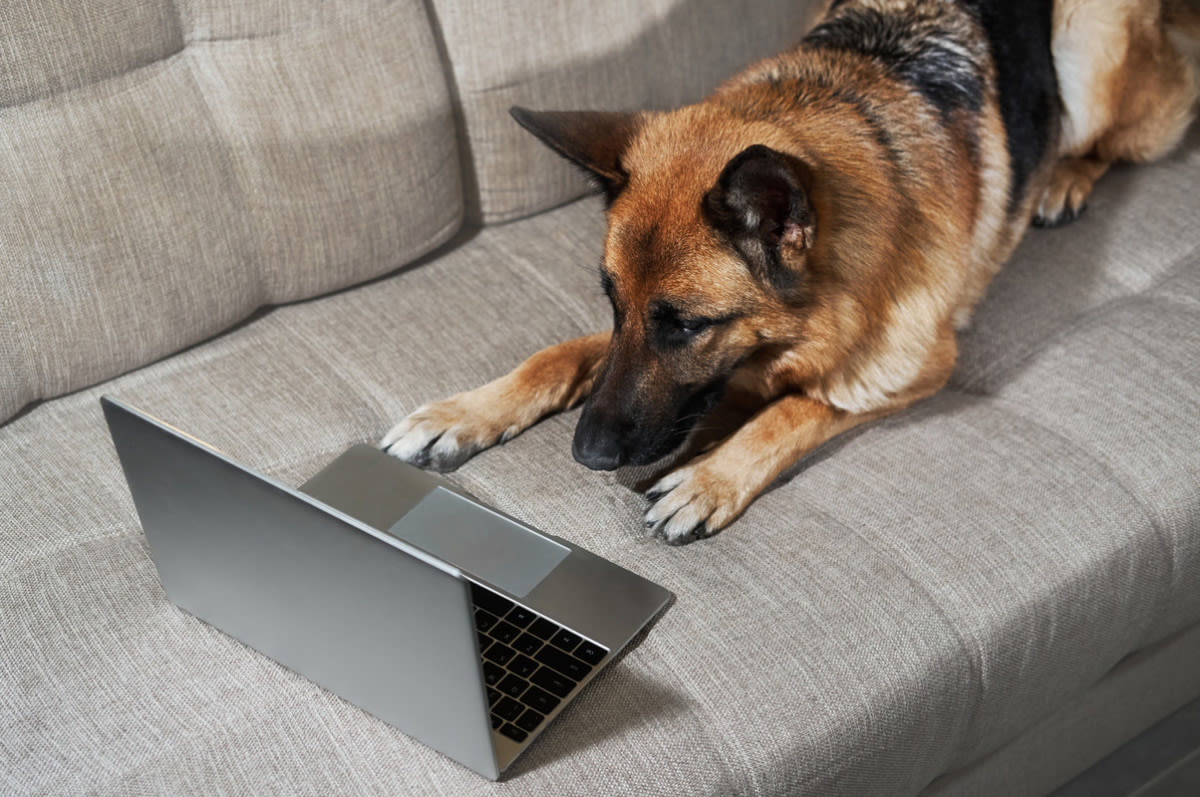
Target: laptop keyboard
529,663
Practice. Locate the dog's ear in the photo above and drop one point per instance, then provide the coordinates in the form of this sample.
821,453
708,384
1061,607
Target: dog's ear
761,205
594,140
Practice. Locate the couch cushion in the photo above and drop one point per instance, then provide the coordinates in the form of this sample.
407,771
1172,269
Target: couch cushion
217,20
616,55
167,173
1118,249
54,46
915,595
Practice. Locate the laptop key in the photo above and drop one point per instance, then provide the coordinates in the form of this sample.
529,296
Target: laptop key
544,629
591,652
484,620
566,640
529,720
540,699
563,662
513,686
492,673
527,644
522,666
509,709
505,632
520,616
514,733
555,682
496,722
500,653
493,602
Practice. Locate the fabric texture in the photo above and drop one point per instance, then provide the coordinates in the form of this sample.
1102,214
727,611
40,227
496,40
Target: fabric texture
576,54
912,599
1143,689
922,604
163,181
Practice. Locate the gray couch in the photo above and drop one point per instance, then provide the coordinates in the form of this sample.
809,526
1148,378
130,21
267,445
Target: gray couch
284,225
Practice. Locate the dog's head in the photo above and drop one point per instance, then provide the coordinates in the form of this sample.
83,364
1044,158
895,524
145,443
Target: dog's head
710,230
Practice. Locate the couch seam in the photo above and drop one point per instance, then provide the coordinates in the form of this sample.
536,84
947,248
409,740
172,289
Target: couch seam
250,252
1082,320
967,643
472,201
1010,408
47,96
962,635
187,41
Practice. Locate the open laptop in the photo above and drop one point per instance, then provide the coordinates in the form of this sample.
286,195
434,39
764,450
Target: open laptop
385,584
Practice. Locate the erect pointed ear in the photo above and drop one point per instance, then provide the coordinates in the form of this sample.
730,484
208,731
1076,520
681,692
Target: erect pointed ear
594,140
761,204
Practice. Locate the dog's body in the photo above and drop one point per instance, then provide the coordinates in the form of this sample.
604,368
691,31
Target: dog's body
799,248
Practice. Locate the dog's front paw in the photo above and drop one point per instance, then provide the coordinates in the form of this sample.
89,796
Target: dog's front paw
696,501
444,435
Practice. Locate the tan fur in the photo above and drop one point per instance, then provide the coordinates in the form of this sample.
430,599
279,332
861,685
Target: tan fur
901,234
1129,77
448,432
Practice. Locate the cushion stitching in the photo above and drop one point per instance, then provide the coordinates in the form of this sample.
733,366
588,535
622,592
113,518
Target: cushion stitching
1011,409
187,41
1081,321
966,642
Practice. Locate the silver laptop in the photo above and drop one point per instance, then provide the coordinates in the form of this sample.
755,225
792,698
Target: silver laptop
385,584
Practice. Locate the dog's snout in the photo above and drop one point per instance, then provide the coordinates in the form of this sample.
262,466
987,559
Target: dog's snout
597,447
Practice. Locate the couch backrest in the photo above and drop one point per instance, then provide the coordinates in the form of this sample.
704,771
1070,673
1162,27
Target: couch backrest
168,167
583,54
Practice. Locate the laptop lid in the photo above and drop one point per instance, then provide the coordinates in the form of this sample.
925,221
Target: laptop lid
362,613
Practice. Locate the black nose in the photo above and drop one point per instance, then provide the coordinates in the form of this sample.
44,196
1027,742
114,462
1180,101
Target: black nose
599,443
597,447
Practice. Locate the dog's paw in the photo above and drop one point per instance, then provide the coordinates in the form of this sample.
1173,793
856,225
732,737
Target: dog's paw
696,501
1058,208
444,435
1065,198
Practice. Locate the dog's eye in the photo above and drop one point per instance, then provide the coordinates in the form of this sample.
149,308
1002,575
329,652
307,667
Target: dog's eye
693,326
672,327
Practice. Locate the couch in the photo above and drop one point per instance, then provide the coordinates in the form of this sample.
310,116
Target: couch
283,226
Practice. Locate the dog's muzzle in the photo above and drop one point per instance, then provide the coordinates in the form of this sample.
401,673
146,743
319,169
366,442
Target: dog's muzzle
606,439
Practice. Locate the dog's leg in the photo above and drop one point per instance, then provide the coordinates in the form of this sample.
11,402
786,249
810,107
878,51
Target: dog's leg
708,493
711,491
446,434
1129,78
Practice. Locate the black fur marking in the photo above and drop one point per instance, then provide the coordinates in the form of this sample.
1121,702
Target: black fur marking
871,117
812,87
921,51
1019,32
918,51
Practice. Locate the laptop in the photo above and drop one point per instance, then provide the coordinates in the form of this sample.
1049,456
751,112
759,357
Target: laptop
387,585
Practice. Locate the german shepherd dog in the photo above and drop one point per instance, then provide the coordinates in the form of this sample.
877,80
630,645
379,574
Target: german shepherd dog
797,250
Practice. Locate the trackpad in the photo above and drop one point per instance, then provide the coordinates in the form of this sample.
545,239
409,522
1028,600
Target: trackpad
479,541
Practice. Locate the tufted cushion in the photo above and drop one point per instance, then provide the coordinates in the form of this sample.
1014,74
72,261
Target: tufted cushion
167,169
627,54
